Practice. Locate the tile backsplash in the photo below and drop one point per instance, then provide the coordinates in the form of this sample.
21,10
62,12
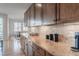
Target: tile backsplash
67,30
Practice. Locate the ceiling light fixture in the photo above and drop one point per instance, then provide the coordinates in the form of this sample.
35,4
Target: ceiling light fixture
39,5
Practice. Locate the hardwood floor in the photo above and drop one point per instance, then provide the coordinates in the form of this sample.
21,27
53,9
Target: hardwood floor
0,51
1,47
12,47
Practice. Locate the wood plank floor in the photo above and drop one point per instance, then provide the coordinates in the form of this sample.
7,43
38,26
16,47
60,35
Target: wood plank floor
1,51
12,47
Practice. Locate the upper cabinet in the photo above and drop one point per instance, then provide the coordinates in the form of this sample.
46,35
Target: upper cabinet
69,12
26,19
49,14
32,19
38,14
41,14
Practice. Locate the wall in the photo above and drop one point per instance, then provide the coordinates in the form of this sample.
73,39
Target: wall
67,30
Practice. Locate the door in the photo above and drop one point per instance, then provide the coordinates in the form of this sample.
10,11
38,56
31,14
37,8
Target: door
69,12
49,14
32,20
38,14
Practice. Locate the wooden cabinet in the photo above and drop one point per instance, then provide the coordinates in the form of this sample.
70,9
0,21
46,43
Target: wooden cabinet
31,49
38,14
32,19
38,51
26,45
69,12
26,18
41,14
49,12
34,15
48,54
30,52
26,49
26,23
22,42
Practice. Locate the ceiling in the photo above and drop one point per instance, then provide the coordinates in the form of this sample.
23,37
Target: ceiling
14,10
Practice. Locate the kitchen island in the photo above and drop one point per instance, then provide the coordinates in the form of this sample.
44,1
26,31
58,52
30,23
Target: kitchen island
54,48
51,47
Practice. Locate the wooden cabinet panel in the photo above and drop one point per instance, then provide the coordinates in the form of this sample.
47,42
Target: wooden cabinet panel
38,51
49,13
38,14
48,54
30,52
26,49
46,14
41,14
26,19
32,20
69,11
22,42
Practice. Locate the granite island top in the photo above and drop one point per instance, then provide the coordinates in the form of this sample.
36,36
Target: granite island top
54,48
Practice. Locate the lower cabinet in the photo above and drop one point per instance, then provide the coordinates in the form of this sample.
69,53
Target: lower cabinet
30,53
48,54
31,49
22,42
38,51
26,50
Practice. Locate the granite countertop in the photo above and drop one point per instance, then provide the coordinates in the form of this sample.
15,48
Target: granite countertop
54,48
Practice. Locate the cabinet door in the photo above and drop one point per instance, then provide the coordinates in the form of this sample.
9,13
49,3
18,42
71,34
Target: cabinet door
26,49
41,51
38,51
48,54
26,19
38,14
49,14
69,11
30,52
22,42
32,21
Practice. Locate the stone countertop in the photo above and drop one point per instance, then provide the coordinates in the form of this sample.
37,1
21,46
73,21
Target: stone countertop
54,48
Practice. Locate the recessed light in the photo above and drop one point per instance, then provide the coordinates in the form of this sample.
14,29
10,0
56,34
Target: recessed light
39,5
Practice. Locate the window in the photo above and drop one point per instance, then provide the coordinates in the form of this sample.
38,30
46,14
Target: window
17,26
1,28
